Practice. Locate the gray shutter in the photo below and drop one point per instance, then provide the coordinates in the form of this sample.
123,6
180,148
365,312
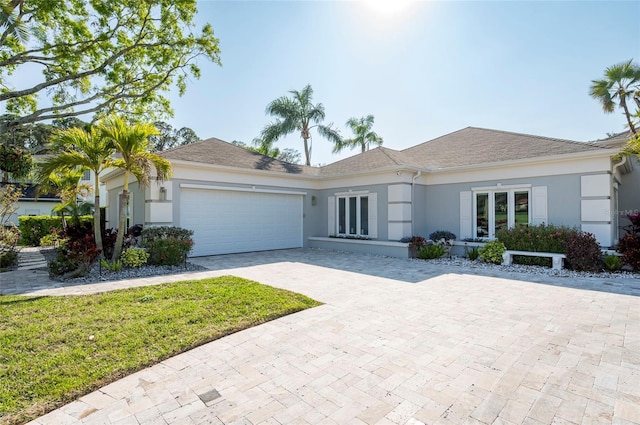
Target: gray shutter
539,205
331,215
466,216
373,215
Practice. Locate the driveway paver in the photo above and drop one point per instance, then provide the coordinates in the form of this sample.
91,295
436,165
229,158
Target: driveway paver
396,342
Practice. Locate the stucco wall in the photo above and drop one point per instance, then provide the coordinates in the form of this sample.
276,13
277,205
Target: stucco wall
438,206
629,194
136,203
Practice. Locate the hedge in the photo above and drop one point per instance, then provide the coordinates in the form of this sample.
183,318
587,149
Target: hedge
33,228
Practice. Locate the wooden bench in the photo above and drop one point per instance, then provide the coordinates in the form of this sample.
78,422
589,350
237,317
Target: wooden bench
557,260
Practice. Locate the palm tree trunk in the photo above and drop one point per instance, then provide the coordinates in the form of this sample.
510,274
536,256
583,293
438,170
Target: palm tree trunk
306,151
364,147
122,219
623,103
97,231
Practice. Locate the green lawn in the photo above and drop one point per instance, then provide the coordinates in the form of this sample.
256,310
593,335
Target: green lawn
55,349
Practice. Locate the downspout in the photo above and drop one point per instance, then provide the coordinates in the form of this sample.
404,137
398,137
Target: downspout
413,182
616,233
618,165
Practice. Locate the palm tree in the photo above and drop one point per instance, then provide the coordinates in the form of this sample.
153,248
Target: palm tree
84,149
621,83
297,113
364,136
132,143
66,184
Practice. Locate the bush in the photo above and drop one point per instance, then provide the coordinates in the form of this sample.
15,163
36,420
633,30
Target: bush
169,251
543,238
429,252
34,228
112,266
442,234
612,262
492,252
8,259
629,247
150,234
473,253
583,252
76,256
109,242
55,238
134,257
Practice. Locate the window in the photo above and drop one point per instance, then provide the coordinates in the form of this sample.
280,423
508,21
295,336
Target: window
497,209
86,175
353,215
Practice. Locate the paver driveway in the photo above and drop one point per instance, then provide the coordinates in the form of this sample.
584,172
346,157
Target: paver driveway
396,342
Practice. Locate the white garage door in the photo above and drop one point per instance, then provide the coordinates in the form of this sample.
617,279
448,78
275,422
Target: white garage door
226,221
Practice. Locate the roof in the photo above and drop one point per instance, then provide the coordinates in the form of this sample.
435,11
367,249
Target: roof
29,193
617,139
467,147
218,152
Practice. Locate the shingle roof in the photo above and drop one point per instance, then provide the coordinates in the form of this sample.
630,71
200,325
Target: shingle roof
474,146
370,160
30,192
218,152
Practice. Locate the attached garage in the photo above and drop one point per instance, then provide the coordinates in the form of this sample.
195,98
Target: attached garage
230,220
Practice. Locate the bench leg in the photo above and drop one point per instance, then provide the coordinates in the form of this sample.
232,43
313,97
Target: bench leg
506,259
557,263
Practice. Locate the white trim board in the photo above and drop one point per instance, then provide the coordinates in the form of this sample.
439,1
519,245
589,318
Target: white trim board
240,189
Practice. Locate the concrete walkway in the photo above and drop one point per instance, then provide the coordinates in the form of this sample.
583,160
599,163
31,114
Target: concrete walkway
397,342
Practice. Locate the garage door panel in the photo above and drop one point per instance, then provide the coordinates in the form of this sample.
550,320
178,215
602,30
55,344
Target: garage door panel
227,221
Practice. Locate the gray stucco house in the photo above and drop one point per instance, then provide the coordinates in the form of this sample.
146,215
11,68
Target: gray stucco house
472,182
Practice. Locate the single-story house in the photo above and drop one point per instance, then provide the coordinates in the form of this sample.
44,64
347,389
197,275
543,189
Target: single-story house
31,202
471,182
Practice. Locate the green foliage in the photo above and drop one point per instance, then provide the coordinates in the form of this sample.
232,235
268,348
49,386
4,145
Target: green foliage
169,137
34,228
112,266
150,234
52,239
8,259
542,238
612,262
15,161
298,113
492,252
121,55
169,251
473,253
364,136
583,252
429,252
78,344
442,234
134,257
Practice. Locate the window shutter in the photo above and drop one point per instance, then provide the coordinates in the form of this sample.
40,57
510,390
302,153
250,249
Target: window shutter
539,204
466,216
373,215
331,214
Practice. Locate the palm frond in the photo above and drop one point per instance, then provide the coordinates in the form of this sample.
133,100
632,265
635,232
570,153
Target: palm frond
330,133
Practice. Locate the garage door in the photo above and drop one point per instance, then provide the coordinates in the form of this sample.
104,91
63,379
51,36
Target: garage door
226,221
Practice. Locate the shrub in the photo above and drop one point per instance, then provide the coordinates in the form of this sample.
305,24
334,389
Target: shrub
109,241
473,253
76,256
112,266
164,232
55,238
492,252
429,252
134,257
8,259
542,238
169,251
442,234
629,247
612,262
583,252
34,228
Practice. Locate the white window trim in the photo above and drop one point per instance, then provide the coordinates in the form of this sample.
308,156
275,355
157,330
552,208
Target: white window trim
491,191
346,195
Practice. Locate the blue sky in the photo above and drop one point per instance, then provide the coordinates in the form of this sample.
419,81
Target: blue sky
425,70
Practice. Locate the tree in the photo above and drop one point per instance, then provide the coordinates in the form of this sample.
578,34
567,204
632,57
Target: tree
136,157
82,149
169,137
34,137
298,113
288,155
621,84
364,136
15,163
66,184
99,57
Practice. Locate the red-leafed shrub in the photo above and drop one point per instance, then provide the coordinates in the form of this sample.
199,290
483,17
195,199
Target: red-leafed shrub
583,252
629,247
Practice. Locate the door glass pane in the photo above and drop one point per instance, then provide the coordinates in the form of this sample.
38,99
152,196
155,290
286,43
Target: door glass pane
522,207
482,215
342,215
352,215
364,215
501,211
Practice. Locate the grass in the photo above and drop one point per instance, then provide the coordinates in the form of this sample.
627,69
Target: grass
55,349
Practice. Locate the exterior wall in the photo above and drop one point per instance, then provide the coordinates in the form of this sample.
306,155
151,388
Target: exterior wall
440,209
32,208
137,203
